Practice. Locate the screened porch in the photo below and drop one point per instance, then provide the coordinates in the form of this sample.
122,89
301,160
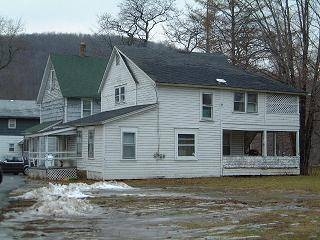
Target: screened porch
260,149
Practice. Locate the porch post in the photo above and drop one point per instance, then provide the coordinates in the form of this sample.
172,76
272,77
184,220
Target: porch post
264,144
297,144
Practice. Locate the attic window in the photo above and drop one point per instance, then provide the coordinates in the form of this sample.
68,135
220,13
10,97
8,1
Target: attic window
117,59
51,80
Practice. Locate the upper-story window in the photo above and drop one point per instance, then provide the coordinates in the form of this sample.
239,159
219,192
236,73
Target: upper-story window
245,102
86,106
207,106
117,59
119,94
51,80
12,123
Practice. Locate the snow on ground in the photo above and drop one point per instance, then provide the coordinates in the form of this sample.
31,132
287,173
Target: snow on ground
66,200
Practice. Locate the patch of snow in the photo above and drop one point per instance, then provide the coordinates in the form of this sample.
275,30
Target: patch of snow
62,200
220,80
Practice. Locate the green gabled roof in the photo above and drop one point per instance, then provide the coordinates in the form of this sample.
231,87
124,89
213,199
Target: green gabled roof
39,127
79,76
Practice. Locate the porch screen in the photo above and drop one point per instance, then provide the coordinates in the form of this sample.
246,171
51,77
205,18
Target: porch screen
281,143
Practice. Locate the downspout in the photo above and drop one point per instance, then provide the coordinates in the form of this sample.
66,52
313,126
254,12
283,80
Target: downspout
158,118
221,134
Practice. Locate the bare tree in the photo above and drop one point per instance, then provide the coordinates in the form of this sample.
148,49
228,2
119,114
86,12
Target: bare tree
185,30
9,29
290,31
136,19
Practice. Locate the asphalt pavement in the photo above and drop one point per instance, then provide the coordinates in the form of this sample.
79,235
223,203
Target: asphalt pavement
9,183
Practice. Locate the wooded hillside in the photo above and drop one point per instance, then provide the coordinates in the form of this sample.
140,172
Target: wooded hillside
22,78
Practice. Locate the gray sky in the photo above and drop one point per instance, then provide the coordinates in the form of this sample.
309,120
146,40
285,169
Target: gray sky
76,16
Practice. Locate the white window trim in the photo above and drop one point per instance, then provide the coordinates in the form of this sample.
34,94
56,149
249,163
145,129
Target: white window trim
129,130
12,147
186,131
91,110
94,136
14,121
119,87
246,102
201,107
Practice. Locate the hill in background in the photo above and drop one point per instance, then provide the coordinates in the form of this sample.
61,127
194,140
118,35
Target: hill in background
22,78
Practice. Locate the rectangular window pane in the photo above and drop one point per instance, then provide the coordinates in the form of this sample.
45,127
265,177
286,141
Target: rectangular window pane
11,147
239,97
86,107
252,97
252,108
207,99
122,90
206,112
186,144
239,106
128,138
129,152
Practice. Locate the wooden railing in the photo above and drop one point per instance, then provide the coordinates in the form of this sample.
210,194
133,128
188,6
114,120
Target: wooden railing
52,159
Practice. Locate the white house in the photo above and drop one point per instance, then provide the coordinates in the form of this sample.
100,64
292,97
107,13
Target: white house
170,114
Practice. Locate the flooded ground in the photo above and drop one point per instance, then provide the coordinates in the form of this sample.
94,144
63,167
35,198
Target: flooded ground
163,210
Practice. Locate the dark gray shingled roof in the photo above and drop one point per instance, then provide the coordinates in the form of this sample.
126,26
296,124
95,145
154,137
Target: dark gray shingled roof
19,109
107,115
202,69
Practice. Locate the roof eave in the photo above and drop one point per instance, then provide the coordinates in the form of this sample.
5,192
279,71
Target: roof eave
229,88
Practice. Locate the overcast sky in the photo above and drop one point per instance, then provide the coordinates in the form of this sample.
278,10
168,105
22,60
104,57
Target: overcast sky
76,16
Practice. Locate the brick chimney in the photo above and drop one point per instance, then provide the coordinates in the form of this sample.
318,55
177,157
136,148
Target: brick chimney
82,51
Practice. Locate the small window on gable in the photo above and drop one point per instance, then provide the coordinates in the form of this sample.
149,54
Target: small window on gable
207,105
86,107
12,123
119,95
11,147
117,59
239,102
51,80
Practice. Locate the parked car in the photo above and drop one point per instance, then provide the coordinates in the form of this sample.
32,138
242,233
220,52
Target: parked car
14,165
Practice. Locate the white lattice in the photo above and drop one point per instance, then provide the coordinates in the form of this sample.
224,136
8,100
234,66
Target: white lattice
282,104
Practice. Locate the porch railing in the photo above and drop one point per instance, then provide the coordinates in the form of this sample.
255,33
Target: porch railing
52,159
264,162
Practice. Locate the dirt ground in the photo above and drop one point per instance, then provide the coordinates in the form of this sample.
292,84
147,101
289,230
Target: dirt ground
286,207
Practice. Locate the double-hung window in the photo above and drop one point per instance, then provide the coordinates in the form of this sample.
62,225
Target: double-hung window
207,106
252,102
11,147
12,123
186,144
239,102
79,143
119,95
129,139
86,107
91,143
245,102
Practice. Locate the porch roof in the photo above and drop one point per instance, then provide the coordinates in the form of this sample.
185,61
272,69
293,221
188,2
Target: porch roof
102,117
41,127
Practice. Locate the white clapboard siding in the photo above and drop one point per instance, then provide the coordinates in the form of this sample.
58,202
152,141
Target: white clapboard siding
52,105
146,166
4,146
92,164
118,75
139,93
